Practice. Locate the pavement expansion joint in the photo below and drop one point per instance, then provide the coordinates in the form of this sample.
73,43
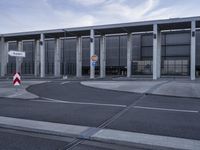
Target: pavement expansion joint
88,133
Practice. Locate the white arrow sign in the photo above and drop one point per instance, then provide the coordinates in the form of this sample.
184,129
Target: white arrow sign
17,53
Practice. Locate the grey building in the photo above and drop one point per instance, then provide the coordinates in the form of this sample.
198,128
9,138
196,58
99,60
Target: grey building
155,48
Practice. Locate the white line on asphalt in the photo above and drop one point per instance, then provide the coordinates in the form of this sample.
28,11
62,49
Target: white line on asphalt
49,100
165,109
64,82
14,95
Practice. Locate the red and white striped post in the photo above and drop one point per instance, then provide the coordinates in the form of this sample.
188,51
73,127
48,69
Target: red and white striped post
17,80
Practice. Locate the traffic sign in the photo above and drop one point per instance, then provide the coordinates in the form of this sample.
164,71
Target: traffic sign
16,79
94,58
17,53
94,63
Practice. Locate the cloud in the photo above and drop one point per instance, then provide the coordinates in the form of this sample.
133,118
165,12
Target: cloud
89,2
23,15
121,11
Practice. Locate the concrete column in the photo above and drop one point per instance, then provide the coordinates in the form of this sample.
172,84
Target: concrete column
57,58
129,55
37,58
79,57
3,56
92,52
19,59
42,56
103,56
156,52
193,51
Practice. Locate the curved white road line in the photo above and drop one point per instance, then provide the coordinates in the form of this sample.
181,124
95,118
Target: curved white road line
50,100
165,109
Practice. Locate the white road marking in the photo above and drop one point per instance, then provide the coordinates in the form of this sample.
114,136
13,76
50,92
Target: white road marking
165,109
14,95
64,82
49,100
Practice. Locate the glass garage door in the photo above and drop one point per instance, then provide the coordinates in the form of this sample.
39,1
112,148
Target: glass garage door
11,65
27,66
68,57
116,55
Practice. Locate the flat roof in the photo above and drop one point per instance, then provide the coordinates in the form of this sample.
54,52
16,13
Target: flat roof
143,26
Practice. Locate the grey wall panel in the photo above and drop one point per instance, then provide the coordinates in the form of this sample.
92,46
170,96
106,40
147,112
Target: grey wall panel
86,51
178,51
123,50
176,58
112,51
147,52
28,61
198,48
177,38
28,48
49,51
68,56
147,40
68,49
163,51
136,45
11,66
12,46
49,56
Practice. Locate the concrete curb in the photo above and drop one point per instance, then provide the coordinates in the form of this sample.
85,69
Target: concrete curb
147,140
42,127
155,142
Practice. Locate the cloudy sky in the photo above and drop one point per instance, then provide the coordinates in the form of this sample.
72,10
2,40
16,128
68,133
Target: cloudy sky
30,15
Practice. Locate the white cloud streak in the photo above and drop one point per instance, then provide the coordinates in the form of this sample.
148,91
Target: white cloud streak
42,14
88,2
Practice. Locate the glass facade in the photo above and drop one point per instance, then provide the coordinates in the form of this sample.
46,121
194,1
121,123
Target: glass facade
175,55
68,57
85,56
11,66
142,54
116,55
198,53
28,62
49,56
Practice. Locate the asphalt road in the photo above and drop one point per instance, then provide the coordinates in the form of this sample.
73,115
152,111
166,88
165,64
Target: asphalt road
73,103
159,115
18,140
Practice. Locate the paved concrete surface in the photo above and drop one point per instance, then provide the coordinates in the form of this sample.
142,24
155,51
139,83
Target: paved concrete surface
129,86
183,88
8,90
